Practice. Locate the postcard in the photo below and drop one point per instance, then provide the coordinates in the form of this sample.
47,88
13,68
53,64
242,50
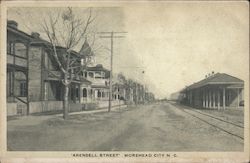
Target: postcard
121,81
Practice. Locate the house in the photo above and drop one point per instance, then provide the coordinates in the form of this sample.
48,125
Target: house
18,45
99,78
216,91
119,91
33,77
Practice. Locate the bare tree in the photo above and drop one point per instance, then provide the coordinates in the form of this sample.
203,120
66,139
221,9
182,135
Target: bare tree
65,29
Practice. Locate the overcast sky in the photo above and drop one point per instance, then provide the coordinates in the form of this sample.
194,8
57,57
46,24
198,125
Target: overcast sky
176,44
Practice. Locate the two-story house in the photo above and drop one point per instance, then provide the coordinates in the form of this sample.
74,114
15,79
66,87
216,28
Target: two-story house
99,78
18,44
33,77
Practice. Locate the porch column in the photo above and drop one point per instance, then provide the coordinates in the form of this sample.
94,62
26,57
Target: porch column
213,99
210,99
206,102
203,99
79,93
218,102
191,98
224,98
238,98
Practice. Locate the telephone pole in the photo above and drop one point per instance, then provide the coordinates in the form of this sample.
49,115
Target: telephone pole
111,36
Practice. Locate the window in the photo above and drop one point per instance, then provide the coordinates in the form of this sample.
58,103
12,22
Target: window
20,50
99,93
23,88
77,92
10,48
91,74
84,92
53,90
100,74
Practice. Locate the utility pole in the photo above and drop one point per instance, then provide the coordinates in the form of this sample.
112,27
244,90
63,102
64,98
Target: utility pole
111,36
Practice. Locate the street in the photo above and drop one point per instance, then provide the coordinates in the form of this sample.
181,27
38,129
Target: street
152,127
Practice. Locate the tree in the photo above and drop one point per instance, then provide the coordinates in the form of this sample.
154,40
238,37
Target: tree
121,79
65,29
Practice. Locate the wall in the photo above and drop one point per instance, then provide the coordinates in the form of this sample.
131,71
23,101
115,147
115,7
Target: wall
35,73
11,109
44,106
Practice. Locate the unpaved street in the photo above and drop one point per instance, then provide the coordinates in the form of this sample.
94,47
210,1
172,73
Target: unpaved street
154,127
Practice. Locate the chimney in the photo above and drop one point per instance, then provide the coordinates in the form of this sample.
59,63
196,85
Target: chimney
12,23
35,35
212,72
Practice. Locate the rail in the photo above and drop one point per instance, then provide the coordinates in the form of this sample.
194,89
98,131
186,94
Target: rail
209,122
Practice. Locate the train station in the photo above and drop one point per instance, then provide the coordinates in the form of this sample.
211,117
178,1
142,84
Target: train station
216,91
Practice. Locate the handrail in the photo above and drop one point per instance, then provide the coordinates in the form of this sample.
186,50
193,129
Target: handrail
20,99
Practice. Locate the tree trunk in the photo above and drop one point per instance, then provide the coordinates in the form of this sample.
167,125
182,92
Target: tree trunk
66,102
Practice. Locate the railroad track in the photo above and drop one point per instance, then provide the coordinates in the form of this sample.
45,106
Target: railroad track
225,126
220,119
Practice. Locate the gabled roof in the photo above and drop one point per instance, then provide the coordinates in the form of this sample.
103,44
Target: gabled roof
218,78
86,49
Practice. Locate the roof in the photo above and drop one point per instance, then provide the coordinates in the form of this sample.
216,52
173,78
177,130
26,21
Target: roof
36,41
119,85
98,67
218,78
19,32
86,49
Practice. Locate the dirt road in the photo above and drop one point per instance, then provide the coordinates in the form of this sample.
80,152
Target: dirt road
155,127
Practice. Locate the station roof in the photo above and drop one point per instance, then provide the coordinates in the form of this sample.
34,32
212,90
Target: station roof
218,79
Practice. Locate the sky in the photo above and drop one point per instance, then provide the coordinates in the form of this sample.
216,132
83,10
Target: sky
175,44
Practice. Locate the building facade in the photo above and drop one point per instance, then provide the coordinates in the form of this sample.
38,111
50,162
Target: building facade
18,45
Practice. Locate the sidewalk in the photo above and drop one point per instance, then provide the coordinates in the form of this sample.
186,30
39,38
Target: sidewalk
36,119
114,108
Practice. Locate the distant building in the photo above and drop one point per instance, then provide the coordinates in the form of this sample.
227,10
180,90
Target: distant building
216,91
175,96
99,78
